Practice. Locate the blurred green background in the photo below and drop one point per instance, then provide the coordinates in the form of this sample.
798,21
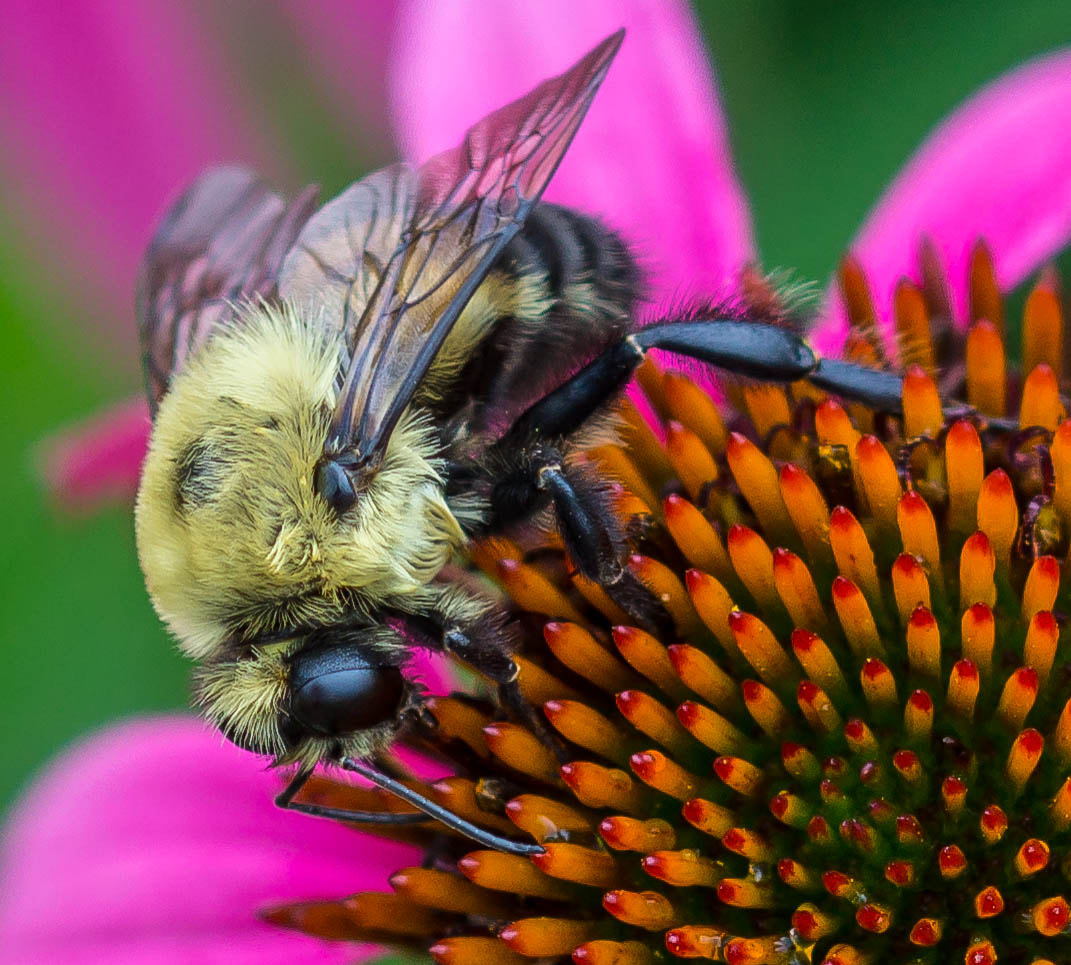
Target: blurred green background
825,101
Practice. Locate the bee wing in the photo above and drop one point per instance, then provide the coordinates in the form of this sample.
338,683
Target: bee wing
396,257
221,242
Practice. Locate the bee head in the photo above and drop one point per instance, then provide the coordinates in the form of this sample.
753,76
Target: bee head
334,692
338,687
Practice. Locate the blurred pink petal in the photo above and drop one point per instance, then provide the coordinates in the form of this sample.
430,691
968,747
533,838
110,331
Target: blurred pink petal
155,842
348,42
998,168
99,460
653,155
106,109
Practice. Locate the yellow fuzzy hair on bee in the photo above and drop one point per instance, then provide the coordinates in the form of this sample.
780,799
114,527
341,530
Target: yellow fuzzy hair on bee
231,532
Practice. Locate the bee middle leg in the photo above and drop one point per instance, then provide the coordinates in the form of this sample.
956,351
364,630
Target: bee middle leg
591,532
533,474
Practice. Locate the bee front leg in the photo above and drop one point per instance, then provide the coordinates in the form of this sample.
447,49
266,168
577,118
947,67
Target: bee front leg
485,644
479,637
494,662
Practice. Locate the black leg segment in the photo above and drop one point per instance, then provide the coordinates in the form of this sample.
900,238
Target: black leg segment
591,534
756,350
569,406
586,526
485,647
876,388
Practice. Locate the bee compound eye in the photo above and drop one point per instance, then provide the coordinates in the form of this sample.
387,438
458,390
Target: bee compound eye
337,690
334,485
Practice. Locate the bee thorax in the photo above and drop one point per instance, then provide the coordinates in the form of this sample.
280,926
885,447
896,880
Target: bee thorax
232,528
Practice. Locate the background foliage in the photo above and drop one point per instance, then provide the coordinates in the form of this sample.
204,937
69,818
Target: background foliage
824,101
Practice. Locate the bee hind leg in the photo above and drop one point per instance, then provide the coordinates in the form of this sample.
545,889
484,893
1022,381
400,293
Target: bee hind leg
752,349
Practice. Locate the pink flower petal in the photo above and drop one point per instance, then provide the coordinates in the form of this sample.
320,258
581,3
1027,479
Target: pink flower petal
100,460
348,42
998,168
106,110
652,157
156,842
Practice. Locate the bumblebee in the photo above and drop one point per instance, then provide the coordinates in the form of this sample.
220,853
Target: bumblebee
343,396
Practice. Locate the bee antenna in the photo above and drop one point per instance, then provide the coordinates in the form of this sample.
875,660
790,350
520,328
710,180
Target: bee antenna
438,812
429,808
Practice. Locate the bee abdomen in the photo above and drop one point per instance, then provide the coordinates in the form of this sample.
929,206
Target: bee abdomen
586,266
564,289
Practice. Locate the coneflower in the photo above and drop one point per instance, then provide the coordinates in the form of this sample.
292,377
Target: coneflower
152,840
855,746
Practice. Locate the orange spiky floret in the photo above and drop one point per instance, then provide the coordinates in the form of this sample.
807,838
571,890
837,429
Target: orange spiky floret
855,747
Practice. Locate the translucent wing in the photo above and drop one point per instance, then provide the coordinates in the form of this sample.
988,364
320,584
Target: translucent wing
395,258
222,241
